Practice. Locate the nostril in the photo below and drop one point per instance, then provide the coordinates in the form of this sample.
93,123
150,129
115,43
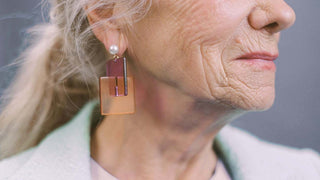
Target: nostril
272,25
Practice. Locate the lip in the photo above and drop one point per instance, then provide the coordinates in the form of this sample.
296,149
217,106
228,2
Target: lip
259,55
260,60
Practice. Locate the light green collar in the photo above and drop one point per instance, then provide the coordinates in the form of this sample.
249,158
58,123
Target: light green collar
65,154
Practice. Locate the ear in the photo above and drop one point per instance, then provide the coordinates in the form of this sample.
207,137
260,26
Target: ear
107,31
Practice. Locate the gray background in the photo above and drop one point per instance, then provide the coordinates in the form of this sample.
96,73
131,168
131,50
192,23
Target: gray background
294,118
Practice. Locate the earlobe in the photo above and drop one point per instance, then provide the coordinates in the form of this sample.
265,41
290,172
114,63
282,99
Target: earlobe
111,37
107,32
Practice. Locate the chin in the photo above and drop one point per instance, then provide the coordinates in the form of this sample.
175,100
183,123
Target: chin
262,105
262,101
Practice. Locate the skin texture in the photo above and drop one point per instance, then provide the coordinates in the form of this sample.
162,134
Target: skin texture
189,83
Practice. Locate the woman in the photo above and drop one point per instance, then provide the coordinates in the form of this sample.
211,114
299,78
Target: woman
196,65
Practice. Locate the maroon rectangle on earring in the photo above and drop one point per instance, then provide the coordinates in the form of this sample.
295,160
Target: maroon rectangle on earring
118,68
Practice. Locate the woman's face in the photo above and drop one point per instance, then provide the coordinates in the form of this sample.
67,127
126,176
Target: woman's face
216,50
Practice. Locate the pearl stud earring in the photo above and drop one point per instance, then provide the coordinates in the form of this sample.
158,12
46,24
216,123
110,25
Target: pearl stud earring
114,49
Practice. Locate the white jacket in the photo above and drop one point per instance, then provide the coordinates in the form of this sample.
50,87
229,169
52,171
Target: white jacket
65,155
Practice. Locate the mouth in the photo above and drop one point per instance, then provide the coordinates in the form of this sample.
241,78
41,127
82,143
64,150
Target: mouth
259,55
261,60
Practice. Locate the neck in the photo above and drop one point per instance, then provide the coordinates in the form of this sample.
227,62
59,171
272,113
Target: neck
169,137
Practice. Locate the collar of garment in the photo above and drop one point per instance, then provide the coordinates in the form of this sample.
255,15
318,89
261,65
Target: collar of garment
65,154
98,173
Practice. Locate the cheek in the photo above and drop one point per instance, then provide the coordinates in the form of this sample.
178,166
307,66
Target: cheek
206,28
209,22
168,41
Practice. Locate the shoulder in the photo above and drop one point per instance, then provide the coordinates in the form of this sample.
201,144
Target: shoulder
63,154
12,164
251,157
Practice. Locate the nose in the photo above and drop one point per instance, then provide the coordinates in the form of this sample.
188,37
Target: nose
271,15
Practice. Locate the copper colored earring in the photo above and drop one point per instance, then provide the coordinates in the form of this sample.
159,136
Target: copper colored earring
117,88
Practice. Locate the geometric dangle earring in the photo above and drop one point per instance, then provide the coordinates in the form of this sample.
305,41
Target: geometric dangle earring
117,88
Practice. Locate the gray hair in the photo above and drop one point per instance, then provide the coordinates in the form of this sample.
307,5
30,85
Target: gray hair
59,71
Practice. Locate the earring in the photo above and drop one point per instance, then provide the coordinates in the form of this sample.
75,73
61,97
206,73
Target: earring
117,88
